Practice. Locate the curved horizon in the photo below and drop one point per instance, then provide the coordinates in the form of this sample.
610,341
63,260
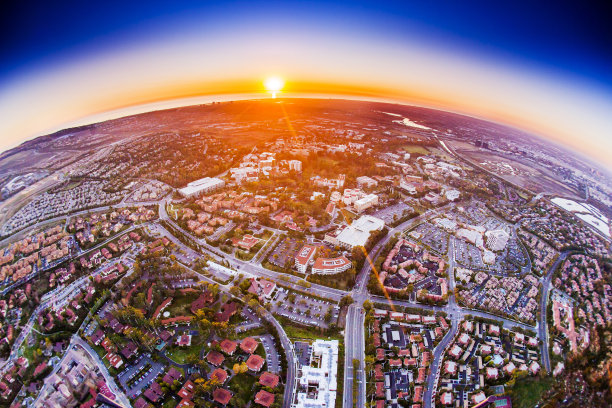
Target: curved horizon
383,57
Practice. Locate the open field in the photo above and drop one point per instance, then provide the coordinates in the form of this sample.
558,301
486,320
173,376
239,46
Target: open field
528,391
527,175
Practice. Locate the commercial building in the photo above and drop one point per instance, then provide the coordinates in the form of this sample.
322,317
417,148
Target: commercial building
358,232
366,202
304,257
351,195
497,239
317,381
201,186
295,165
365,181
330,266
452,195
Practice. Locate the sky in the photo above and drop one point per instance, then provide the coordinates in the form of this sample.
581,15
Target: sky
545,68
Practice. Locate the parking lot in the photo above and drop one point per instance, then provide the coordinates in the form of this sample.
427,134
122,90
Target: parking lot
386,214
272,356
304,309
140,375
468,255
433,237
284,251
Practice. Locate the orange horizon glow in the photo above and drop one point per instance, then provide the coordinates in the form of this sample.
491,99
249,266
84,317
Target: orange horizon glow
179,73
249,89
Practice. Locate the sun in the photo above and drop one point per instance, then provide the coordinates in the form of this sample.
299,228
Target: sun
274,85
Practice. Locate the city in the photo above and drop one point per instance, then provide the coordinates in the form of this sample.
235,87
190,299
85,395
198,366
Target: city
365,256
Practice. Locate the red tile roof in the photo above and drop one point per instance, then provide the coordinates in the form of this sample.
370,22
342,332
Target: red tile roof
228,346
305,254
227,311
206,298
222,396
255,362
215,358
219,374
185,403
187,391
264,398
249,345
269,380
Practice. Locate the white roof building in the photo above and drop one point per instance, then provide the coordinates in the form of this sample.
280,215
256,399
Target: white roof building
497,239
365,181
446,223
452,195
488,257
365,202
204,185
470,235
358,232
321,373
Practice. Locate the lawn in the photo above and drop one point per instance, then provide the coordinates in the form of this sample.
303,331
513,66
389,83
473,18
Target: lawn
415,149
181,306
182,354
298,333
343,280
265,235
347,216
527,391
169,403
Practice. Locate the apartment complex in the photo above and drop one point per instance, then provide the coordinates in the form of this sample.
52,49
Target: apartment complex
317,381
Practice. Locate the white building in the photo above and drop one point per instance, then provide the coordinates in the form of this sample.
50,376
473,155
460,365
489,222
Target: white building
321,373
445,223
304,256
452,195
330,266
366,202
295,165
365,181
201,186
488,257
358,232
471,236
497,239
351,195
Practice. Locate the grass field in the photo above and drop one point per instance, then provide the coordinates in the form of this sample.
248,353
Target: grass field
182,305
299,333
528,390
415,149
181,354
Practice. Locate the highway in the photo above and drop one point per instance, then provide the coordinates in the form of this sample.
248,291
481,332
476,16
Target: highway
354,348
250,267
543,324
354,328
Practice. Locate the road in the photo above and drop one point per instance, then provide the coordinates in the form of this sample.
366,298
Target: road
290,382
110,381
543,324
434,373
354,348
247,266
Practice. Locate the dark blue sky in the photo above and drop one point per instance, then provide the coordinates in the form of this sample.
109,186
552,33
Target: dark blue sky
571,37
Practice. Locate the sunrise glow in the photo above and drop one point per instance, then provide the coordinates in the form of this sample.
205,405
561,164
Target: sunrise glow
274,85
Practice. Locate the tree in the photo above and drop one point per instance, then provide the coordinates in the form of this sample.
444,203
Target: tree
346,300
368,305
240,368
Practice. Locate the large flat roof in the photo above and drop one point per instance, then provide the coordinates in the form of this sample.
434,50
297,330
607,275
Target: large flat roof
199,185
